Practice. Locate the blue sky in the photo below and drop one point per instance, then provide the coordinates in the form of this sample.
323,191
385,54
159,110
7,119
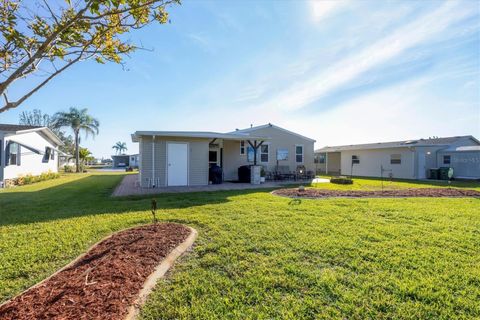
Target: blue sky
341,72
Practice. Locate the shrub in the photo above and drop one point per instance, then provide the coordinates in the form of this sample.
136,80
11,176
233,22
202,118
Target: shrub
68,169
341,180
29,179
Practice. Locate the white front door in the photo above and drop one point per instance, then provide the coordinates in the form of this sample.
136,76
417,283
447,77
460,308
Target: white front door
177,164
421,165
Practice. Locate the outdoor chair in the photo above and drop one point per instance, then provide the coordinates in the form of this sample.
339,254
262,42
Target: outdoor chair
284,173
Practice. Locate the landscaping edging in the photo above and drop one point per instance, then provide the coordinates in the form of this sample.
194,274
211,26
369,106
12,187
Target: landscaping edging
395,193
111,279
159,272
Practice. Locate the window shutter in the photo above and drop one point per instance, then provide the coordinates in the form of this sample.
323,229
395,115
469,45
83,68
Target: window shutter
7,153
19,154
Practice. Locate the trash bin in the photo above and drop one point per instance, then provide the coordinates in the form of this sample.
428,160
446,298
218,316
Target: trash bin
443,173
433,174
244,174
215,174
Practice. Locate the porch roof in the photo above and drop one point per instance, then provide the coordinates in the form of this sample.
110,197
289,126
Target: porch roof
198,134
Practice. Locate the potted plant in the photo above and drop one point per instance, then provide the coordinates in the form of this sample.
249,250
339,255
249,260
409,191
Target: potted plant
262,175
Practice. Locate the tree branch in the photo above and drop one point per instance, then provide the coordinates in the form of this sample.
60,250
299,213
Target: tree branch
14,104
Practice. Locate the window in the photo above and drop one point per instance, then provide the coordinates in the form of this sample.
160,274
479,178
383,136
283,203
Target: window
446,159
299,154
355,159
242,147
47,153
250,154
52,156
212,157
395,159
282,154
320,158
264,153
13,157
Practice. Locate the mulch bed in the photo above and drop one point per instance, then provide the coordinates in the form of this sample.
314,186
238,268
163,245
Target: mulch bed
104,282
396,193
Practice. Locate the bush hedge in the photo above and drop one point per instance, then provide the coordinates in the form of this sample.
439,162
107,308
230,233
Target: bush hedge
29,179
341,180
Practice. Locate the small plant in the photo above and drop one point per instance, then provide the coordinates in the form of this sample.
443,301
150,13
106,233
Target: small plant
341,180
154,210
262,173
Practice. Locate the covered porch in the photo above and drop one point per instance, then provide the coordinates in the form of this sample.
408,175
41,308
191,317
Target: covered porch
328,163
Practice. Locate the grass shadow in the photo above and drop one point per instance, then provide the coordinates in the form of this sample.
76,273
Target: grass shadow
91,195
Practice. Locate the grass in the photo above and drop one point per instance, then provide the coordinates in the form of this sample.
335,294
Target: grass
371,184
259,256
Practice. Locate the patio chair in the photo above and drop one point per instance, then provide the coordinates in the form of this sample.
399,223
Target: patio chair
269,175
284,173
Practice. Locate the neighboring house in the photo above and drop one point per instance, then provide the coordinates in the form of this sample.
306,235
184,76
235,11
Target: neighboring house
410,159
125,160
173,158
27,150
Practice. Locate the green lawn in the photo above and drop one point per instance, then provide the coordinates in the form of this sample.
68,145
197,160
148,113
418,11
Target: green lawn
371,184
259,256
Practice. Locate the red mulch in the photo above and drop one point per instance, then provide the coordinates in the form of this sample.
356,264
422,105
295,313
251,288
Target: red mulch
396,193
105,282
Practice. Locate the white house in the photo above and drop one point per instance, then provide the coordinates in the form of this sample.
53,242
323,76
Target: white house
410,159
180,158
27,150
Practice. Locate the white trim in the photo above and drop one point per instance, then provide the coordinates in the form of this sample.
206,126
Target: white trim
303,153
268,152
197,134
188,160
244,148
269,125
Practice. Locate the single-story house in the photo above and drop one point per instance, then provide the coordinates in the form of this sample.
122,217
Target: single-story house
27,150
125,160
177,158
408,159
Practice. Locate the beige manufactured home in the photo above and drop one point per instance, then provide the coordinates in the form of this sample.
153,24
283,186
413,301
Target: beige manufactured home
183,158
409,159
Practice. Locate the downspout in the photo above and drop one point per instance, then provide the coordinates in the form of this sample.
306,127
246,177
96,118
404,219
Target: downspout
153,162
415,161
326,163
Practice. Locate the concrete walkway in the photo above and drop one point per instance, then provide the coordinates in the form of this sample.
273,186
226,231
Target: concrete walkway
128,187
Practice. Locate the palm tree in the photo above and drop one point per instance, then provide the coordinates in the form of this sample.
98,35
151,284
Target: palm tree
120,147
78,121
85,155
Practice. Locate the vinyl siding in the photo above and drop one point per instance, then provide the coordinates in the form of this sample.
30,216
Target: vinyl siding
198,160
372,160
279,140
30,162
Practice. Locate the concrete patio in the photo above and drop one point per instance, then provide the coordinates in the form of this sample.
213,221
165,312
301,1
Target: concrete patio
130,187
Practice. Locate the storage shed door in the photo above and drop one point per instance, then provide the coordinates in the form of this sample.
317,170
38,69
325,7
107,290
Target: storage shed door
177,164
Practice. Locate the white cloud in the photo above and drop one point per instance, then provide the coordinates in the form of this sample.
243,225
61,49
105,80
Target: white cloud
424,29
322,8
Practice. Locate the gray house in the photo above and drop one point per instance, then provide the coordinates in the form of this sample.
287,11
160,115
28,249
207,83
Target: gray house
178,158
408,159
